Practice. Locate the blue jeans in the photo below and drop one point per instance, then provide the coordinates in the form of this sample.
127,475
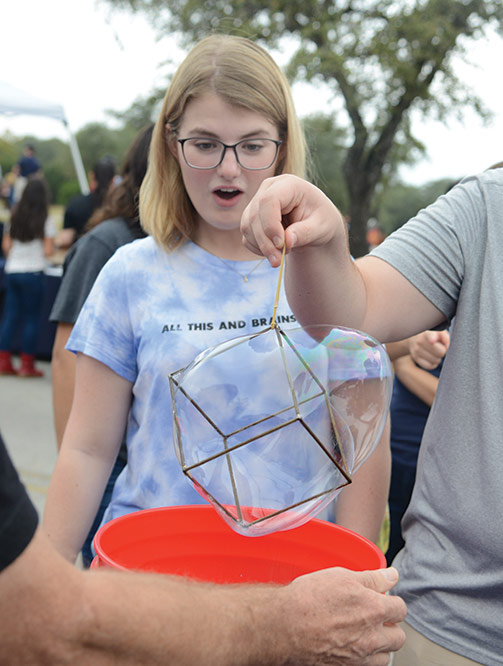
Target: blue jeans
24,294
403,477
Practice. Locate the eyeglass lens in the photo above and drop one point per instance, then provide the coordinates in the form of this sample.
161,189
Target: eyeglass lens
206,153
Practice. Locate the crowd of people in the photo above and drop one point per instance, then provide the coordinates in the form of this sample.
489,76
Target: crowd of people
14,182
208,198
30,242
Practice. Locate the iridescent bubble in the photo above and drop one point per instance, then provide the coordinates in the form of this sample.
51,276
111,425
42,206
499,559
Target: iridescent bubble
270,426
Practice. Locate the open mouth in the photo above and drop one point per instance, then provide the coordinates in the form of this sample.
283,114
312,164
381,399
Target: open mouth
226,193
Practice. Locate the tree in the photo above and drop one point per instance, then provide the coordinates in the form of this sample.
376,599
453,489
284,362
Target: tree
401,202
95,141
57,164
9,154
383,57
326,144
142,111
53,154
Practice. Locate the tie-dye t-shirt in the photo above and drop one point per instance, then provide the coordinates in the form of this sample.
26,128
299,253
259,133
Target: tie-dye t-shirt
151,313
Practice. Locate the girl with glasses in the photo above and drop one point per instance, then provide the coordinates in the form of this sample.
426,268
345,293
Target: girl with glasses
227,123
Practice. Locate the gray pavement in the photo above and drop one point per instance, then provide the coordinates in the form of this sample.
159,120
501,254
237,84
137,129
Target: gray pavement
26,425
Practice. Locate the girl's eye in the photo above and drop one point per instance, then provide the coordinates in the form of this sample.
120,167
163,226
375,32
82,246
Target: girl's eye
251,146
205,146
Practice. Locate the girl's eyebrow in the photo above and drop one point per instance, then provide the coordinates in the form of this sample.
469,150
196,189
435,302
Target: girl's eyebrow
201,131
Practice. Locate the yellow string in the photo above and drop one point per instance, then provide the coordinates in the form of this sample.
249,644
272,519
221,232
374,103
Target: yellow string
278,288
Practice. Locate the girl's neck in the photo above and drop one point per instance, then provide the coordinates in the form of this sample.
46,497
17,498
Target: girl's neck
224,244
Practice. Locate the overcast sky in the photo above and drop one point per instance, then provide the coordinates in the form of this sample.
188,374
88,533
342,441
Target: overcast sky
80,54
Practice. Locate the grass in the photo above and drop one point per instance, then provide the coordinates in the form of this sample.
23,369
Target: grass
383,540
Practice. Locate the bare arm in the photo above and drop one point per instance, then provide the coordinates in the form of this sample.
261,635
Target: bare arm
324,285
53,613
398,349
65,238
362,504
48,246
63,378
6,243
427,348
90,444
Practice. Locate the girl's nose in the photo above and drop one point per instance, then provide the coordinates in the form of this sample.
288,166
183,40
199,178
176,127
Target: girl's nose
229,166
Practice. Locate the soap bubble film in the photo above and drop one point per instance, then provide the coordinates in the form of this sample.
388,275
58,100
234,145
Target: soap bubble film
269,427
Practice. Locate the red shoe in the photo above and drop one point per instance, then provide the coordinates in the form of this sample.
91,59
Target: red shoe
27,368
6,367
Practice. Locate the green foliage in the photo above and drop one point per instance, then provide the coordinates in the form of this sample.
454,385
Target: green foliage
53,154
401,202
382,57
395,202
327,149
68,190
9,155
56,160
142,112
97,141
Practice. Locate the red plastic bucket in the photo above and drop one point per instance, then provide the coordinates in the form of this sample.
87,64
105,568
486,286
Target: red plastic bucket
194,541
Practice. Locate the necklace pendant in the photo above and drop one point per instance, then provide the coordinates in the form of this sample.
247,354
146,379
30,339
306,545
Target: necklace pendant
231,268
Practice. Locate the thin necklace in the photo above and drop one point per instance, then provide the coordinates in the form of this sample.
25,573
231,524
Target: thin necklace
247,275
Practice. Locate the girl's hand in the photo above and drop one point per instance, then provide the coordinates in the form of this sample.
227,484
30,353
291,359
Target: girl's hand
429,348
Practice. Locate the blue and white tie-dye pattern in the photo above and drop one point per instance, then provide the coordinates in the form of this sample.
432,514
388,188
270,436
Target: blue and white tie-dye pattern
150,313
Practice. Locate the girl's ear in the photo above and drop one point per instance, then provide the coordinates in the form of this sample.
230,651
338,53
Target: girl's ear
171,140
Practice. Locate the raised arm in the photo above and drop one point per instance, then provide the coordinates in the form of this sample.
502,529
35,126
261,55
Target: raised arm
324,285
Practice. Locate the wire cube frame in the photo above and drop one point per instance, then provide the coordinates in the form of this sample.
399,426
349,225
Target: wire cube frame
257,520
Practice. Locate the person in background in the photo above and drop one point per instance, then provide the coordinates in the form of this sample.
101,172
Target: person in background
414,390
28,163
27,167
7,187
227,124
111,226
27,242
81,207
375,235
442,267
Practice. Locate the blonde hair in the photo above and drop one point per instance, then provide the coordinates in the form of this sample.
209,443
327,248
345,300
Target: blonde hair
244,75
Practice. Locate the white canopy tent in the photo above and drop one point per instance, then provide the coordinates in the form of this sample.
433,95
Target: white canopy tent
15,102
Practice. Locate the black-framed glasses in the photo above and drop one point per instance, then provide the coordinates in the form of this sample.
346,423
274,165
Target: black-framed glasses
207,153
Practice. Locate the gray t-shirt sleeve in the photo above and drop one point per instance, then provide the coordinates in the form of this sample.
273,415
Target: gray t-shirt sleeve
435,249
82,265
